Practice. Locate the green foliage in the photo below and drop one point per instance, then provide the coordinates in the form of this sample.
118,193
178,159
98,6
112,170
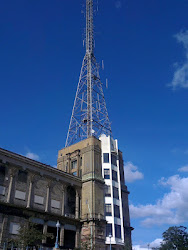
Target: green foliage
175,238
29,235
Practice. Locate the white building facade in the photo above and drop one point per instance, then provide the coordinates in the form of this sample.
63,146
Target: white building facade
116,194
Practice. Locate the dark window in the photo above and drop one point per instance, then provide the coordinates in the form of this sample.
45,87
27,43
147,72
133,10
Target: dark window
73,164
107,191
108,209
80,161
115,193
106,158
2,171
106,173
118,231
108,229
116,211
114,159
22,176
114,175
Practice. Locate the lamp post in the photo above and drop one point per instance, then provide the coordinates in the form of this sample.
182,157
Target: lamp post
56,242
110,236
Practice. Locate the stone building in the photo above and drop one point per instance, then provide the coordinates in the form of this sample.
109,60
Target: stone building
74,193
30,190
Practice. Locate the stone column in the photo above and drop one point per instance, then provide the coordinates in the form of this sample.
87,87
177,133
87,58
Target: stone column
48,195
77,238
31,180
69,163
78,163
62,233
12,174
45,228
64,197
3,235
77,205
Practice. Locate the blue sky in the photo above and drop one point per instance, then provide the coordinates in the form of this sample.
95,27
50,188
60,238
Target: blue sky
144,45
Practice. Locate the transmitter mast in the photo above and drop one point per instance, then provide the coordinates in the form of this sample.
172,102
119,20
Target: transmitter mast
89,115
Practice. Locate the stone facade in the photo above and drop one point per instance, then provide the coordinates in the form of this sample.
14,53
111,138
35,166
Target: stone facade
30,190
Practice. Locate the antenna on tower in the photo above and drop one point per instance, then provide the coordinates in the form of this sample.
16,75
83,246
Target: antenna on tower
103,64
106,83
89,115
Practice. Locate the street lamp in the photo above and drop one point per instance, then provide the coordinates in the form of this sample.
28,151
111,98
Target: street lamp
110,236
56,242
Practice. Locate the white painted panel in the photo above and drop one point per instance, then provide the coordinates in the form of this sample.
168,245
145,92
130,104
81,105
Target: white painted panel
14,227
39,199
2,190
20,195
55,204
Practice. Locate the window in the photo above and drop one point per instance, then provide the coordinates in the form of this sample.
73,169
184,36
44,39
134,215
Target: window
2,190
107,191
114,159
39,199
115,193
106,158
116,211
106,173
73,164
80,161
108,229
66,167
114,175
22,176
55,204
20,195
2,172
108,209
14,228
118,231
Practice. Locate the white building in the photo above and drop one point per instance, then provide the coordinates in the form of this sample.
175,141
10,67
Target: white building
116,194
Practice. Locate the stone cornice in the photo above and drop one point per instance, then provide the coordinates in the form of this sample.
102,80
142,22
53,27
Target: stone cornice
22,161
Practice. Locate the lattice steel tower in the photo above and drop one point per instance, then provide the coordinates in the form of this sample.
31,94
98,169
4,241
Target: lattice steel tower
89,115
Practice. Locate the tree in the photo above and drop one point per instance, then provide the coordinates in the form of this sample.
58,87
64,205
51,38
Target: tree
175,238
29,235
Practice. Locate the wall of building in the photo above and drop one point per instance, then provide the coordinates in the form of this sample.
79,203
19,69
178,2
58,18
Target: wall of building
30,190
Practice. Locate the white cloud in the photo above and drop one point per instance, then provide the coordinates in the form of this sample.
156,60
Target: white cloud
153,244
156,243
180,78
172,209
139,247
32,156
183,169
131,172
